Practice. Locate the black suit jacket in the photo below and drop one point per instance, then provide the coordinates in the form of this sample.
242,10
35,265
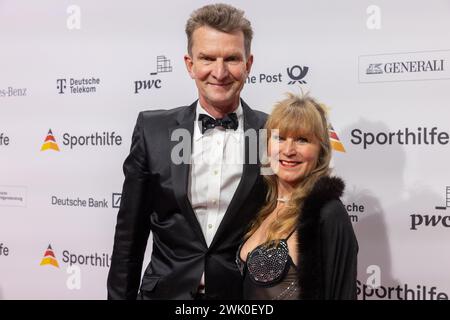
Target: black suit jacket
155,198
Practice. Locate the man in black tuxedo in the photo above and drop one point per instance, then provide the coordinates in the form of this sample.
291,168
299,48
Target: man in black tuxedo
198,208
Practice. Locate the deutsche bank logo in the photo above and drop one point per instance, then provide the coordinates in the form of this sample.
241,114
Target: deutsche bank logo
116,197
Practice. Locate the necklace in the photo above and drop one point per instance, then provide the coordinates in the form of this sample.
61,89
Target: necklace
284,200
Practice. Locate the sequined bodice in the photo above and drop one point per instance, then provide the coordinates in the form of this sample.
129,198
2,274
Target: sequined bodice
269,272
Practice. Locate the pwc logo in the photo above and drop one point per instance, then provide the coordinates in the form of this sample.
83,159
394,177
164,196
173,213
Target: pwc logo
50,142
162,65
433,220
49,258
336,144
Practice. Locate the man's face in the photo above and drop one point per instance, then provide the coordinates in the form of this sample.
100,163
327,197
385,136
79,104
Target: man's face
219,67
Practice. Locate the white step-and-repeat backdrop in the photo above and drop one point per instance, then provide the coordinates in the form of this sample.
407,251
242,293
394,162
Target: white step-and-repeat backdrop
75,74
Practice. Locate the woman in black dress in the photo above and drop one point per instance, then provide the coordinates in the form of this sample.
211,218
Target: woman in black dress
302,244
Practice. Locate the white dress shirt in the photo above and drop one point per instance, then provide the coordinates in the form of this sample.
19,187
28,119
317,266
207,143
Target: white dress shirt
216,170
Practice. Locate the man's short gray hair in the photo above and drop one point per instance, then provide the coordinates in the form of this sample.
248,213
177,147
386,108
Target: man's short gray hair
222,17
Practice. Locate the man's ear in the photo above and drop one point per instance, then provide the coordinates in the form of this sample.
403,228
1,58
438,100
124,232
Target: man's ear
249,63
189,65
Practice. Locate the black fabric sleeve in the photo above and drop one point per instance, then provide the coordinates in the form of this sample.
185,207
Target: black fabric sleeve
133,221
339,249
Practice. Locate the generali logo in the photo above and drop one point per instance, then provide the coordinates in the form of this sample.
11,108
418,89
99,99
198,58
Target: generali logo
404,66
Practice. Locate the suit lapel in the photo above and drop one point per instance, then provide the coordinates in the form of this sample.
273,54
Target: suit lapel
180,172
250,173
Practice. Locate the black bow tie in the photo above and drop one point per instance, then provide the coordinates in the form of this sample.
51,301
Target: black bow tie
230,121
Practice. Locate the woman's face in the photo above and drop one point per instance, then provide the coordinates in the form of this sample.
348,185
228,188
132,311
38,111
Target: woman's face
292,157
